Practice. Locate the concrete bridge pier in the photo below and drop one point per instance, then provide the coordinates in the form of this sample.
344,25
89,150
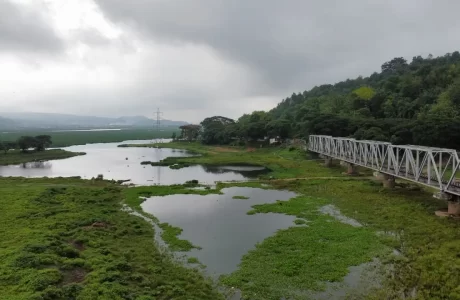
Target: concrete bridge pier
387,180
351,169
328,161
453,204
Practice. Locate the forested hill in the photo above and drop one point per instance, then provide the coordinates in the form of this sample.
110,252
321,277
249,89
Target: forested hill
408,103
415,102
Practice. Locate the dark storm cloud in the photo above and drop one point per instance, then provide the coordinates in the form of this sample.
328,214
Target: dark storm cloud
23,29
290,42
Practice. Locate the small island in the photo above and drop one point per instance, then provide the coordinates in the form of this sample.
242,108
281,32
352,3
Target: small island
31,149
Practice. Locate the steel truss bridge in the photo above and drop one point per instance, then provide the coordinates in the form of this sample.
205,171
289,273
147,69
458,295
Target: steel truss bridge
433,167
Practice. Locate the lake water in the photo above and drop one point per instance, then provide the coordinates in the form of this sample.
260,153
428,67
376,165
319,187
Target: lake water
118,163
219,224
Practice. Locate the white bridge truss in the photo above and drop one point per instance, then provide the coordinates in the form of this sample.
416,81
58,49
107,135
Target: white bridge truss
433,167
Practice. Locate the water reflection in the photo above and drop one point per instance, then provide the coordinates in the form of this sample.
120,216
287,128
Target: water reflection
125,163
37,165
219,224
247,171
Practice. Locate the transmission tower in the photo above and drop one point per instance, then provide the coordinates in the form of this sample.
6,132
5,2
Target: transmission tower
158,114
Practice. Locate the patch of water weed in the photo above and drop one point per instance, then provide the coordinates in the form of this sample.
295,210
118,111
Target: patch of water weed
193,260
170,237
424,242
302,258
87,249
240,197
300,222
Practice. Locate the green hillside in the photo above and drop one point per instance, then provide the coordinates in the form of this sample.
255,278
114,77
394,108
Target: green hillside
415,102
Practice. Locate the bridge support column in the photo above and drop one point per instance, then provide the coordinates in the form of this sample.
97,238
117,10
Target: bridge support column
351,169
328,161
388,181
453,205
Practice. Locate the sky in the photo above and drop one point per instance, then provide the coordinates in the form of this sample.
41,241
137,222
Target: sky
199,58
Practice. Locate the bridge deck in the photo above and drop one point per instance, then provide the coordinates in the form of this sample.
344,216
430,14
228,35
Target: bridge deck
433,167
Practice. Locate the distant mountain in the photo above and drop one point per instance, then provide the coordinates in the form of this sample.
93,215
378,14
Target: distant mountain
18,120
6,123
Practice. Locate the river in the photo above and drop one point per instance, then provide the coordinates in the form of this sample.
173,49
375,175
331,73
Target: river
118,163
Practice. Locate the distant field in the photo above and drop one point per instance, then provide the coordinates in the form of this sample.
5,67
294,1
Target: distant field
69,138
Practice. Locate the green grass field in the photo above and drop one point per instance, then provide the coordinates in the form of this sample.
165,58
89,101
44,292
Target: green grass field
69,138
19,157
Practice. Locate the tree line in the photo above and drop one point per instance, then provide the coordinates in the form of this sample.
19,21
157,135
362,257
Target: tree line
25,143
415,102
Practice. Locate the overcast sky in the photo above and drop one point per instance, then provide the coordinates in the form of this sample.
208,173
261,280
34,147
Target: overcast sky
198,58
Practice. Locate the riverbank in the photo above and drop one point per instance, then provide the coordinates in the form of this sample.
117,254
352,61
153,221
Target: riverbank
15,157
424,257
70,239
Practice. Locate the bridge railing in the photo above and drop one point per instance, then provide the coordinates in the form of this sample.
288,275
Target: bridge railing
434,167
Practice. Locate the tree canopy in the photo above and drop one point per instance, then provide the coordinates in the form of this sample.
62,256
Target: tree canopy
39,143
416,102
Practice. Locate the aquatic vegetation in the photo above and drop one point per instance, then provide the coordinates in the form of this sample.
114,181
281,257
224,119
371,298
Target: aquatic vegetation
300,221
75,241
170,237
66,238
240,197
424,242
302,258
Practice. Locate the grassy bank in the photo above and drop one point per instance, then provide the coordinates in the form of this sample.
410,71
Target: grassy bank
425,263
69,239
69,138
19,157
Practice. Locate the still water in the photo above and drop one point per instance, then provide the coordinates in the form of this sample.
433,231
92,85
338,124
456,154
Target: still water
118,163
219,224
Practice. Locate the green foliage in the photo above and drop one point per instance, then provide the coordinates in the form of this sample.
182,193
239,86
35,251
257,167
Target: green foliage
70,239
364,92
217,130
26,142
389,105
19,157
190,132
39,142
42,142
7,146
